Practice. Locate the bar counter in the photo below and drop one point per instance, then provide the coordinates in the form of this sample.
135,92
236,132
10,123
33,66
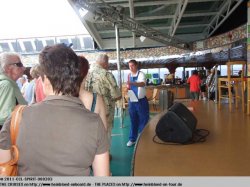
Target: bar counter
181,91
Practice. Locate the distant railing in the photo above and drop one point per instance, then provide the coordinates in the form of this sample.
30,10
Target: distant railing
36,44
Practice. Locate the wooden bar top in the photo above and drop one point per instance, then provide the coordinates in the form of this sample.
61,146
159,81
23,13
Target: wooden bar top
226,151
165,86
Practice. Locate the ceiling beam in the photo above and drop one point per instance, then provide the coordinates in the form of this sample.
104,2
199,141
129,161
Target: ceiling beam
158,28
84,17
192,25
140,4
124,3
226,10
132,15
144,18
178,15
202,1
114,16
127,43
199,14
93,32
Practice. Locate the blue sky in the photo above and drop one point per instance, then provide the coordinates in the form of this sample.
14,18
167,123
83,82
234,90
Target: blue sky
34,18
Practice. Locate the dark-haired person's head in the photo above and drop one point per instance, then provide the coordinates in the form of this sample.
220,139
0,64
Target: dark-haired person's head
60,65
195,72
133,62
84,65
133,66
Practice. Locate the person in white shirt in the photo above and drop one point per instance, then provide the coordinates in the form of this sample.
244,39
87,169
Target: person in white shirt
138,109
25,82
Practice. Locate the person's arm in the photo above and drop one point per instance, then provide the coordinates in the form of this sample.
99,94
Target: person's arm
100,109
5,156
141,81
5,142
100,162
101,165
7,100
114,89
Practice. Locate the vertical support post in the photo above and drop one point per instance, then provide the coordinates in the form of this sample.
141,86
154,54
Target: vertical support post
184,74
119,78
216,84
118,56
132,15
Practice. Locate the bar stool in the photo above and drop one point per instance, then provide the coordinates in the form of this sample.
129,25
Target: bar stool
232,82
124,103
154,101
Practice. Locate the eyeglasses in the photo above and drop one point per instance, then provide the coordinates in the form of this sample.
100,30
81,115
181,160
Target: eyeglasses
18,64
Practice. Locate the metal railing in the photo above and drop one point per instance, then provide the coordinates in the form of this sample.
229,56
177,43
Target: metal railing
36,44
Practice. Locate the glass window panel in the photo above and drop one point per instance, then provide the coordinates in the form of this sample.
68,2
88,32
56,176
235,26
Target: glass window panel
75,43
179,72
16,46
5,46
28,46
88,43
39,45
50,42
65,41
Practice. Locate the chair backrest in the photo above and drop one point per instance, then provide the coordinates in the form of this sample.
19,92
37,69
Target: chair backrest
149,93
156,93
124,89
124,95
230,64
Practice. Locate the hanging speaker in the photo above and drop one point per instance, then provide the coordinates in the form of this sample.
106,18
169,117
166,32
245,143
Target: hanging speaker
177,125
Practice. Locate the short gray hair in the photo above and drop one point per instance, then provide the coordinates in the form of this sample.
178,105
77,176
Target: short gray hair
102,58
4,59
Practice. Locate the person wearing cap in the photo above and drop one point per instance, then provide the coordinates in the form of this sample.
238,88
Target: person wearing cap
11,68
